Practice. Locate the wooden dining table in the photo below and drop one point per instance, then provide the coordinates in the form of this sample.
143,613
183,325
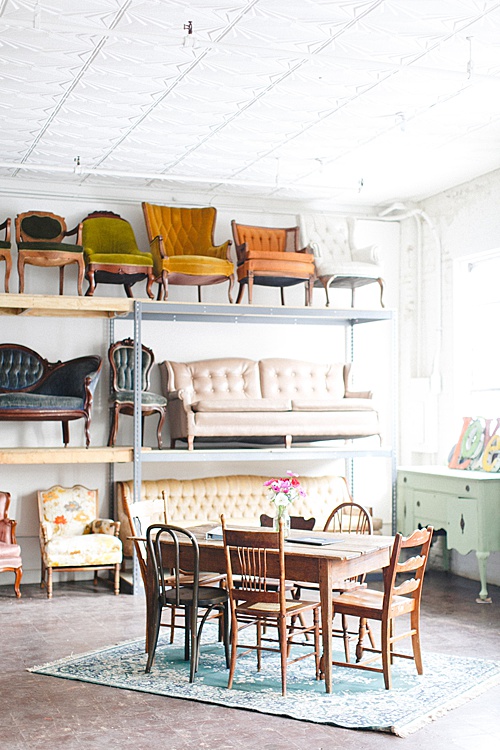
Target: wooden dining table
328,566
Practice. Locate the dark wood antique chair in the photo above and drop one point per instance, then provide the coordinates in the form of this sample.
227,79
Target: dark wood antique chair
10,551
39,238
5,253
176,585
121,358
250,557
182,244
271,257
112,255
399,597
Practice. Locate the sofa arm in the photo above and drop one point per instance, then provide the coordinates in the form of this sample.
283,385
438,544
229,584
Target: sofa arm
358,394
366,254
8,530
181,395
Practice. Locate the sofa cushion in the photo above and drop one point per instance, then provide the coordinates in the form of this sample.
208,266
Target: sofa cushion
85,549
228,377
242,405
38,401
345,404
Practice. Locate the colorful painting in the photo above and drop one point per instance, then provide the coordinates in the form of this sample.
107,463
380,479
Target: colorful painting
478,447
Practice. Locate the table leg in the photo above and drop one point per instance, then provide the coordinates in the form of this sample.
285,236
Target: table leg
325,595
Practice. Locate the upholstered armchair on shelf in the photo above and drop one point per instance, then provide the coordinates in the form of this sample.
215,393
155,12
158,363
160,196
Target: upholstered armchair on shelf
73,538
5,253
39,238
121,358
112,255
10,551
182,244
271,257
338,262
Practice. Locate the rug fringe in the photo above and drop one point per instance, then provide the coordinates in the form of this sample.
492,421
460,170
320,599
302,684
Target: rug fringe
64,659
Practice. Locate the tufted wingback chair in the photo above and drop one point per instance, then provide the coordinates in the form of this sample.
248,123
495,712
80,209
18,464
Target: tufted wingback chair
121,358
271,257
73,538
338,262
39,238
182,245
10,551
5,252
112,255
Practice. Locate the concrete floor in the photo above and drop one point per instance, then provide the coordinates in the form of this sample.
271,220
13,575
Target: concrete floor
45,712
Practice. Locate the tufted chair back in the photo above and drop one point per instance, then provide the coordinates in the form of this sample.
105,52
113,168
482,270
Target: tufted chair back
185,231
228,377
109,235
121,357
266,239
20,368
331,239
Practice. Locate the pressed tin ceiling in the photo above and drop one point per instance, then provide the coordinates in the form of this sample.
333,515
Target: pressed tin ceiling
351,101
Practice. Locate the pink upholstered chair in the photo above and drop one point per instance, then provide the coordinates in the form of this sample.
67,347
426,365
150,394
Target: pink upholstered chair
10,551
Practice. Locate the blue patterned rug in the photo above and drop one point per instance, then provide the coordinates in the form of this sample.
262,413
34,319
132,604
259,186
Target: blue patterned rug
359,700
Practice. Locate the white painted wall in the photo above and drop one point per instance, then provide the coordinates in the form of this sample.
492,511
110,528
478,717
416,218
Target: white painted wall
467,221
64,338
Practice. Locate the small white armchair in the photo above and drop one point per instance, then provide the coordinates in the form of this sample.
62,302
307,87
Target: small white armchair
338,263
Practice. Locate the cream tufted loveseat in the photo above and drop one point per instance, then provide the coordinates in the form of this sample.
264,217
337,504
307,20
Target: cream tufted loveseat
241,498
275,398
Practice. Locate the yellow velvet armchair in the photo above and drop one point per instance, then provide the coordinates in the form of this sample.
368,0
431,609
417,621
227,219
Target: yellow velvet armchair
183,250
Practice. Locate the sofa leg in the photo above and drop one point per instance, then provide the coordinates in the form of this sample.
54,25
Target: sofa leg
172,443
288,441
190,442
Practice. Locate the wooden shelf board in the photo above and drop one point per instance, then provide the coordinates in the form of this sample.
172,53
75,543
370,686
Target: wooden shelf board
35,305
65,455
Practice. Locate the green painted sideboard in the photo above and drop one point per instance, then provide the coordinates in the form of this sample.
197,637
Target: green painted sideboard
466,504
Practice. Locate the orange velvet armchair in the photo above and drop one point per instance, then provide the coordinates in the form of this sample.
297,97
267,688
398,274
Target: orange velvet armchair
182,244
10,551
271,257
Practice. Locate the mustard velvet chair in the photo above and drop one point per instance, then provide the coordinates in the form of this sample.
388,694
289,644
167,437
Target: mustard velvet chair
73,538
182,244
39,238
271,257
112,255
5,253
10,551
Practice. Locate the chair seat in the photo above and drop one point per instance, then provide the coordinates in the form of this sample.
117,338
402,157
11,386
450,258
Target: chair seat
119,259
10,554
371,601
87,549
198,265
207,595
273,608
39,401
305,258
5,245
348,268
148,398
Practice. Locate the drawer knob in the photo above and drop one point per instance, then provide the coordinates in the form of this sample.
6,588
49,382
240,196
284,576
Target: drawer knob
467,488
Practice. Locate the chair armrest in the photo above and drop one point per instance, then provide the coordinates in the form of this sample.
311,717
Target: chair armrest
6,225
8,530
222,251
76,230
366,254
46,531
241,252
358,394
308,249
90,386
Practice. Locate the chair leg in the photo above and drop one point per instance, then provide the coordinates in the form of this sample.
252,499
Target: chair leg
96,578
199,294
92,285
8,267
117,579
61,280
250,287
345,636
195,644
128,290
234,651
282,295
149,285
65,431
187,628
415,640
225,614
259,644
386,654
81,272
153,636
49,583
241,291
283,652
231,284
161,422
17,582
381,284
114,426
20,272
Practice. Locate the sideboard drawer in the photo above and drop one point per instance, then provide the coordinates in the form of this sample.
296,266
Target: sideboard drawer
430,508
463,525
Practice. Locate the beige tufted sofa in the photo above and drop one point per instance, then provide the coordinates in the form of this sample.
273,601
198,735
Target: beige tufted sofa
276,398
241,498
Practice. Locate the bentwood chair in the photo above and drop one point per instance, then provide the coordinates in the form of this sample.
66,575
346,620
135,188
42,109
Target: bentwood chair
112,255
182,244
5,253
10,551
177,586
249,556
121,359
39,238
271,257
399,597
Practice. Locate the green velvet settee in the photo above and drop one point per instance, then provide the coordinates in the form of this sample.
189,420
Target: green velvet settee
31,388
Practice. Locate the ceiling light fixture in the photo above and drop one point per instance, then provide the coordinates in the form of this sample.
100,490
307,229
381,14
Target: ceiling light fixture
189,39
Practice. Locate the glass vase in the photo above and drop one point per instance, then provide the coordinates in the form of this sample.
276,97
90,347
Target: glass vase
281,512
